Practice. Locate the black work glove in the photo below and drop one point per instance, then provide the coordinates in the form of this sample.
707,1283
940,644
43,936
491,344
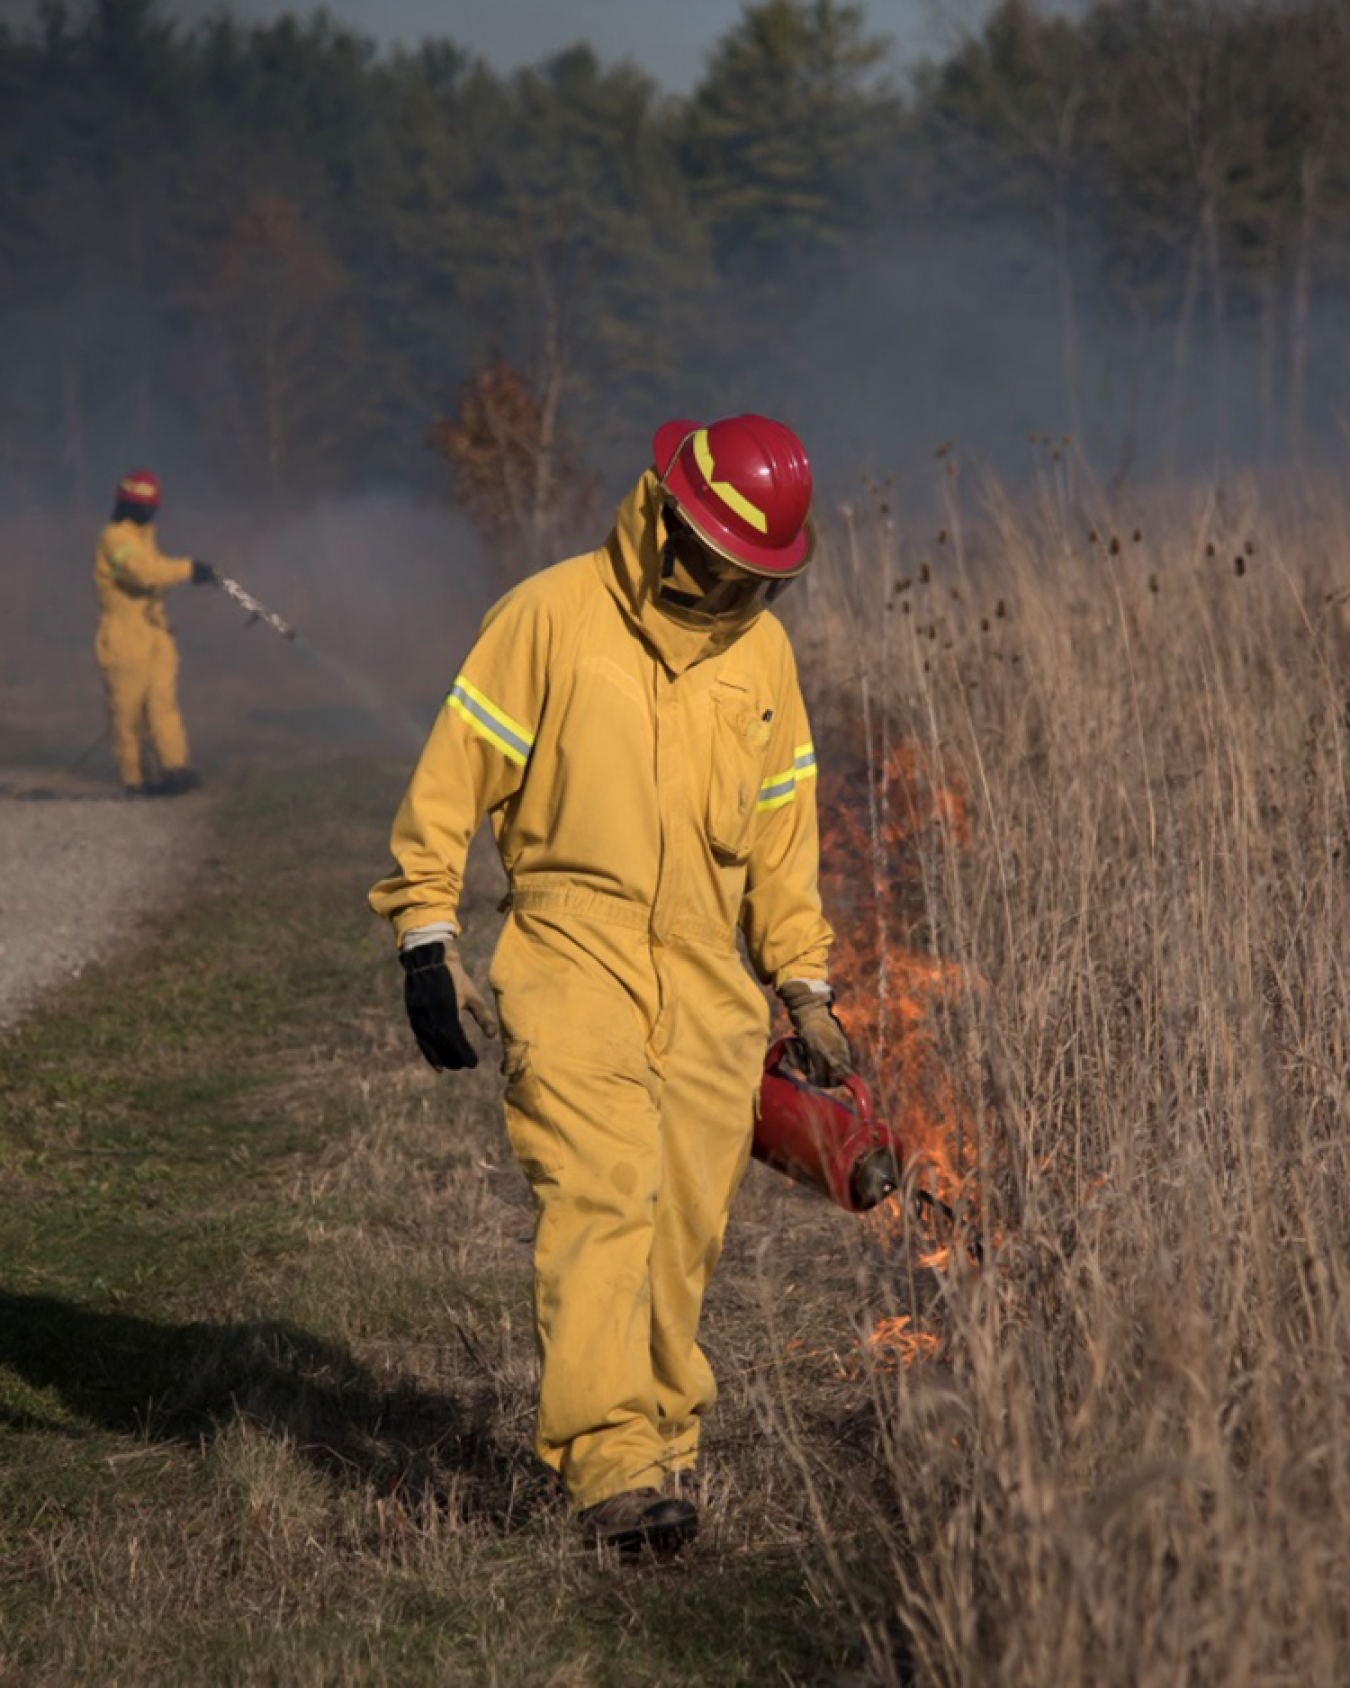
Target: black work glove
203,574
435,983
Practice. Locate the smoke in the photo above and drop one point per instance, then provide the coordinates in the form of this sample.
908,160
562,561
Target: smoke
939,327
951,337
961,336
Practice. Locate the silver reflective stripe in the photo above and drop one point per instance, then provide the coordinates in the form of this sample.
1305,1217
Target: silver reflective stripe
490,722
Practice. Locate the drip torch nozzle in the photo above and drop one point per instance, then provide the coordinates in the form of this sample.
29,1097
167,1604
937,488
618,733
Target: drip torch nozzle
874,1176
255,611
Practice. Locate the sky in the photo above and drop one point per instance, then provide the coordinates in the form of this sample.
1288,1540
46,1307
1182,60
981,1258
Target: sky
670,39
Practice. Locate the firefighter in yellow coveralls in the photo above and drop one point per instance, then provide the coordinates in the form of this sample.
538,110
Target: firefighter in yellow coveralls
134,646
631,722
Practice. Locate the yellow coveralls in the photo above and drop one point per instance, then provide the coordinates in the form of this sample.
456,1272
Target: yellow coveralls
651,789
135,647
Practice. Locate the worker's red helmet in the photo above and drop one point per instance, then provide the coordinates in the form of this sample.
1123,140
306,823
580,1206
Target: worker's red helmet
744,486
139,487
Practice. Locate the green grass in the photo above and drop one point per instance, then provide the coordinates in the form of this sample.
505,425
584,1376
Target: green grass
266,1363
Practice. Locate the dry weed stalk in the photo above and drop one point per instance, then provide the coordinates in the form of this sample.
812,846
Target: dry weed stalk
1131,1463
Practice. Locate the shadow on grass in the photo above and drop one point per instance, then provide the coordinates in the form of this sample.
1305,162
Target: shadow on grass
186,1383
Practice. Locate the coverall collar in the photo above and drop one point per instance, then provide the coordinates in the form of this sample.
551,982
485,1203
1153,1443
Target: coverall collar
633,552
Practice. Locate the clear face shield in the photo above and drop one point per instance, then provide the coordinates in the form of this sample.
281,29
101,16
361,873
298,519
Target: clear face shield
702,589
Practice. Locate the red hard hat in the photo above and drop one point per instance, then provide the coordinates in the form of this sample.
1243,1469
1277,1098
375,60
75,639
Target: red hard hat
744,485
139,487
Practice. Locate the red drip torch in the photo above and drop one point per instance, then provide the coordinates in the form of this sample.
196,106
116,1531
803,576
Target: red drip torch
828,1139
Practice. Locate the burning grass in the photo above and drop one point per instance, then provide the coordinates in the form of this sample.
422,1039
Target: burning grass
1126,1456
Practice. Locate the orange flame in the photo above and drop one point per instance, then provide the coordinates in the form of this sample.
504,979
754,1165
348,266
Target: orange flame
880,839
883,839
893,1344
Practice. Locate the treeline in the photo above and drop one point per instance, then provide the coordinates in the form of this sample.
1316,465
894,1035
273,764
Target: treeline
266,258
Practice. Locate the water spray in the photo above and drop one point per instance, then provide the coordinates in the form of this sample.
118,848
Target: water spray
370,695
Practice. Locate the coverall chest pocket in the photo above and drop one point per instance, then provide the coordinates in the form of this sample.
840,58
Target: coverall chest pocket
742,723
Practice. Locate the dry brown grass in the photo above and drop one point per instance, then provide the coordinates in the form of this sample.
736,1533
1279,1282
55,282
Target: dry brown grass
1131,1462
266,1355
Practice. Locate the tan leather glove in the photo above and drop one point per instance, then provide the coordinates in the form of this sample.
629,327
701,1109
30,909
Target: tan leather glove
471,999
828,1056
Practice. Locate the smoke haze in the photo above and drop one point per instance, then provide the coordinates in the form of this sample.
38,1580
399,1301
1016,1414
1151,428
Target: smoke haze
261,262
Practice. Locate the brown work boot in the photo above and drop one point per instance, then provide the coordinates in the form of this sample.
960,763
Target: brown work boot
640,1518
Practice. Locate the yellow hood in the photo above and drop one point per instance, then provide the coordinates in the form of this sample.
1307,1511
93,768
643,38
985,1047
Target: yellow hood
633,551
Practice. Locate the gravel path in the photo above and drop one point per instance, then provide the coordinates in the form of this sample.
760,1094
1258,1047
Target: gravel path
76,876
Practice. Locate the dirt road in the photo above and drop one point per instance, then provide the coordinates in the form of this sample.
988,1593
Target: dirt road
77,874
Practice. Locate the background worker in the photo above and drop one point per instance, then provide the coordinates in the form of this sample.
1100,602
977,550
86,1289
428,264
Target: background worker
134,645
631,722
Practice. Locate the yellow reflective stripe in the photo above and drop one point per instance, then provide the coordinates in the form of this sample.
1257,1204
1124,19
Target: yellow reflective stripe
782,788
485,732
513,728
489,722
775,792
778,802
730,496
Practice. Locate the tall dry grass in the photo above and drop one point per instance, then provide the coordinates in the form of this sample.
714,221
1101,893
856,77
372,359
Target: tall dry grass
1130,1460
